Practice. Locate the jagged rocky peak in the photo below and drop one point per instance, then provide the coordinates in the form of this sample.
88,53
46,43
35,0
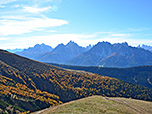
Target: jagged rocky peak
109,44
34,51
71,44
100,45
37,45
113,55
103,43
42,45
121,44
60,46
124,44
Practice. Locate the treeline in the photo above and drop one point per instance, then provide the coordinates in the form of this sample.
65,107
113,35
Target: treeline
137,75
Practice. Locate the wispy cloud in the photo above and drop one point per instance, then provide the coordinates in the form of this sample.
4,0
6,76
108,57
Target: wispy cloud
21,26
36,9
4,38
27,17
2,2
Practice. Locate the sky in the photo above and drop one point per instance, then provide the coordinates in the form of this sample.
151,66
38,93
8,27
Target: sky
24,23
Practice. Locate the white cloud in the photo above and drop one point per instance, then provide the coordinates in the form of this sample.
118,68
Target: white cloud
35,1
16,6
36,9
4,39
12,17
51,31
17,27
6,1
27,16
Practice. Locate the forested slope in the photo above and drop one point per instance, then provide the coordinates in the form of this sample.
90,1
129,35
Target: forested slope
141,75
42,85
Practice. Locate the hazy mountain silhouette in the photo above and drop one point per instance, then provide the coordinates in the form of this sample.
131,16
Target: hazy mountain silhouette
102,54
146,47
15,50
32,52
113,55
62,53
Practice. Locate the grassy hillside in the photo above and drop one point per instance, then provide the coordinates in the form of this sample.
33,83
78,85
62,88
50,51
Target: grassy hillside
137,75
101,105
32,85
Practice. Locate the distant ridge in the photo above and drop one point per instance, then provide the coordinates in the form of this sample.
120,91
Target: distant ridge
33,52
15,50
113,55
146,47
62,53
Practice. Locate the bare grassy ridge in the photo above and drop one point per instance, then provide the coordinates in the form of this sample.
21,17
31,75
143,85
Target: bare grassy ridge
101,105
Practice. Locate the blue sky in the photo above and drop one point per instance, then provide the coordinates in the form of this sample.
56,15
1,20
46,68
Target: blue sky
24,23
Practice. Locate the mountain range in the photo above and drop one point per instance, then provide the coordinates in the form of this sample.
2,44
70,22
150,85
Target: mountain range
146,47
105,54
102,54
62,53
28,85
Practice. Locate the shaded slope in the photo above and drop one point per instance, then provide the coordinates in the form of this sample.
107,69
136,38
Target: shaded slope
8,108
102,105
137,75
